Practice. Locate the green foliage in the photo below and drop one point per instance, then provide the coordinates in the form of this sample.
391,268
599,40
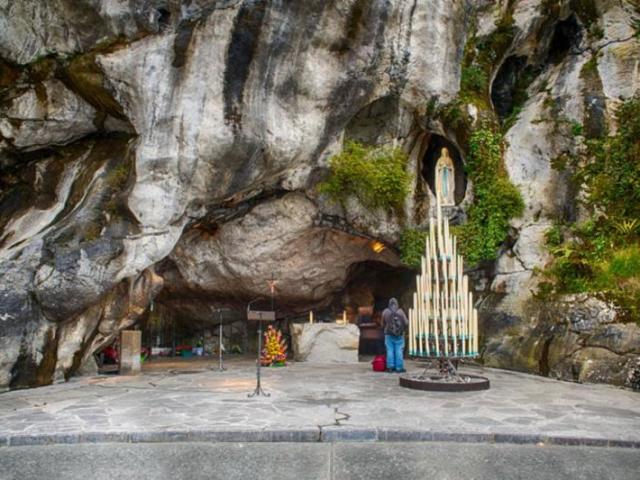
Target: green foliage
597,31
626,228
495,45
590,67
118,176
377,176
480,56
602,254
474,81
553,237
610,171
624,263
496,200
577,129
412,245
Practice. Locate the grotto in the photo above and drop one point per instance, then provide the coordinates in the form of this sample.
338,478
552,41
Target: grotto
160,162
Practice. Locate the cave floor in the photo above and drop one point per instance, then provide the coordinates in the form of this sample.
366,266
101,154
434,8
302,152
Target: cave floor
187,400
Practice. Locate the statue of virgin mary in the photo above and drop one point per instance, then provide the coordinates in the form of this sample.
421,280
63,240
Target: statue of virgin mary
445,179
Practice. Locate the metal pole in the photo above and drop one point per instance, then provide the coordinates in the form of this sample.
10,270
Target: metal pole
220,367
173,322
258,390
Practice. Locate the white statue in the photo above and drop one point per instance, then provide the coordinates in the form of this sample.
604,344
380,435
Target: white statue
445,179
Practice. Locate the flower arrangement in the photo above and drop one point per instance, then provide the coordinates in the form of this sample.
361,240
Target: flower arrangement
274,352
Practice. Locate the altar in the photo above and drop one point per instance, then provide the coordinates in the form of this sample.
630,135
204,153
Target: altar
325,342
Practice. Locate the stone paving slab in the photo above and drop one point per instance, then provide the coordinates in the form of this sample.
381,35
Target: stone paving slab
314,403
317,461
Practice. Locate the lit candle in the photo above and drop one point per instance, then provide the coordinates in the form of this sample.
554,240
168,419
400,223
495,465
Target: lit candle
344,317
310,316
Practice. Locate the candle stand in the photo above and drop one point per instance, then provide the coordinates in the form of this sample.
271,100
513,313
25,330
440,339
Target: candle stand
441,375
443,323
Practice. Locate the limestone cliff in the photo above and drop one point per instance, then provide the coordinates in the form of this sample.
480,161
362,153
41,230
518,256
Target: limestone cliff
172,149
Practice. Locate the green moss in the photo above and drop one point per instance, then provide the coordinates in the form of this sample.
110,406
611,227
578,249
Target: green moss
92,232
577,129
493,47
118,176
377,176
412,245
496,200
590,67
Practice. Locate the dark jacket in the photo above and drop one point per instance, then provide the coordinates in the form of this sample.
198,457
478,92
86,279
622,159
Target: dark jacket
386,315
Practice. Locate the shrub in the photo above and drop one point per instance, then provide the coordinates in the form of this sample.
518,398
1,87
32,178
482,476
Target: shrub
496,200
377,176
473,81
412,247
553,237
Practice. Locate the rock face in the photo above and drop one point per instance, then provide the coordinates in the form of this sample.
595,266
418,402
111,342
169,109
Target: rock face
574,338
172,151
325,343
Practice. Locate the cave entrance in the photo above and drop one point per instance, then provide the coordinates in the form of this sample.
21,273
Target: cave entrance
566,38
369,287
373,283
430,159
188,330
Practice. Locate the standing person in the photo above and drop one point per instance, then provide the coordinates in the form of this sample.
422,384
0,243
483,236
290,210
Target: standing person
395,323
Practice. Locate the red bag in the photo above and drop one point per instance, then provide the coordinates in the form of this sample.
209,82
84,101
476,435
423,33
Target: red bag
379,363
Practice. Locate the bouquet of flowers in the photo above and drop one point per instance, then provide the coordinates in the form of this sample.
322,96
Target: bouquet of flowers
274,352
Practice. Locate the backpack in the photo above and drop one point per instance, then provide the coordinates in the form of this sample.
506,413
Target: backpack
395,325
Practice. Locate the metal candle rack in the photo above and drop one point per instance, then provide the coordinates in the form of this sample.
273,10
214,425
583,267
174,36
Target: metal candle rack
443,323
259,316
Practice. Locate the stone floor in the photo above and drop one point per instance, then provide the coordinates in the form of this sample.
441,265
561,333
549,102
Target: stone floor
179,396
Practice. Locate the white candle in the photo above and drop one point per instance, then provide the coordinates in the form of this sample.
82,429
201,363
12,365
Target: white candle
445,337
417,314
310,316
475,331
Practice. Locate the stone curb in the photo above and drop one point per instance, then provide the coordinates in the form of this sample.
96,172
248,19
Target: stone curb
307,435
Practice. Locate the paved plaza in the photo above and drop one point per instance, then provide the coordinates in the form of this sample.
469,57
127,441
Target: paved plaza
193,401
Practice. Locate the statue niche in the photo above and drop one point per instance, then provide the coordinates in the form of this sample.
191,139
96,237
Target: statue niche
445,179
